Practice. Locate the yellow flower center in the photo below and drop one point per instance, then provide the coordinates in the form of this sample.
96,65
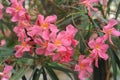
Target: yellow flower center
108,31
23,44
44,25
97,46
82,66
58,42
18,9
45,44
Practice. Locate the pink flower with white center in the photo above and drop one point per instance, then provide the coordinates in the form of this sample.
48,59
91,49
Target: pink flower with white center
99,49
20,49
89,5
6,74
84,67
17,11
1,14
109,30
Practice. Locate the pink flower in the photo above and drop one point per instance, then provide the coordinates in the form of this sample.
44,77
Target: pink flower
17,11
65,38
99,49
42,49
109,30
89,5
47,23
6,73
2,42
1,14
104,2
84,67
63,56
20,49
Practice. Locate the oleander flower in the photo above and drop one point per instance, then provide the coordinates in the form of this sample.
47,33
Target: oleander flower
1,14
17,11
109,30
6,74
84,67
99,49
89,5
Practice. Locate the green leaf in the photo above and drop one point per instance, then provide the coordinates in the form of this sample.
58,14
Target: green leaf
36,73
44,74
111,54
108,6
21,72
51,73
61,68
118,11
117,60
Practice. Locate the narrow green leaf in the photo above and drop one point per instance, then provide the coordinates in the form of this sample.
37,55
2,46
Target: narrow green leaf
44,74
18,74
37,73
51,73
118,11
111,54
108,6
60,68
117,60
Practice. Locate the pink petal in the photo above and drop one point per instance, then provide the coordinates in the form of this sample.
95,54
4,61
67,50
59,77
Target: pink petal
15,18
77,68
40,19
1,6
26,48
51,47
19,53
103,55
53,28
38,41
3,42
61,48
66,42
4,78
61,35
10,10
115,32
75,43
110,40
40,51
96,62
91,43
55,57
89,12
51,19
104,2
89,69
22,12
111,23
45,35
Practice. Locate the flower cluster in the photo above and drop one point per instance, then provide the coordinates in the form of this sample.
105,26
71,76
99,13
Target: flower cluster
98,49
43,36
90,5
